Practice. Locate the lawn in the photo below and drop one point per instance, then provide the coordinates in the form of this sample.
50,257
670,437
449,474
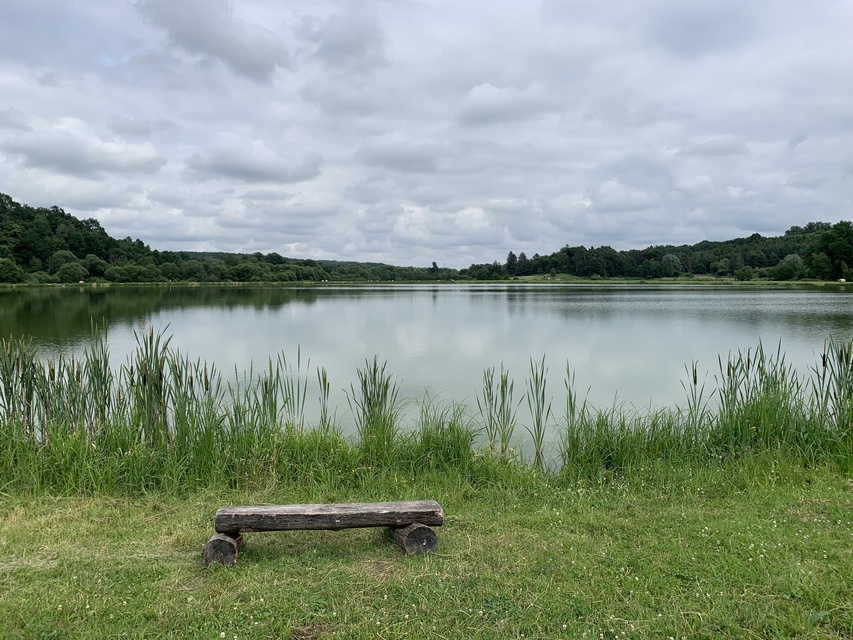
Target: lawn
747,549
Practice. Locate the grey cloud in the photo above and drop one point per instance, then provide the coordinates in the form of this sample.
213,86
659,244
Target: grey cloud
713,146
210,28
248,160
613,196
370,190
430,195
268,194
445,131
13,119
524,220
693,29
353,39
378,219
70,148
797,140
399,152
647,169
139,128
487,104
284,218
688,30
340,98
808,180
96,198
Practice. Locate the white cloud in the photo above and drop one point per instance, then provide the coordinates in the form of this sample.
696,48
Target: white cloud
209,28
713,146
486,104
70,147
398,152
241,158
411,132
352,39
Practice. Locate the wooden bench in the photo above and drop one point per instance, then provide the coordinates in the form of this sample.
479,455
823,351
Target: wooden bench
409,521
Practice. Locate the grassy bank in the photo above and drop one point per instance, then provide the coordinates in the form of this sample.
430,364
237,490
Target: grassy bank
727,517
747,549
166,423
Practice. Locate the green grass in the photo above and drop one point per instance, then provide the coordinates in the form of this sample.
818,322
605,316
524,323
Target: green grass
163,422
729,517
746,549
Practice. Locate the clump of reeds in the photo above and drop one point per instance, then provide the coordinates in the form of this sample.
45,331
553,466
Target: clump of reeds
540,409
165,421
376,410
443,438
696,413
761,405
497,411
327,422
832,384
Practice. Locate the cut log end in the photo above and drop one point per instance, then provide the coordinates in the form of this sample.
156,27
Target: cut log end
222,549
416,538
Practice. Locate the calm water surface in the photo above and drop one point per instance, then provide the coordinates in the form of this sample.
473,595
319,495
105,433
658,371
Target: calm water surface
626,343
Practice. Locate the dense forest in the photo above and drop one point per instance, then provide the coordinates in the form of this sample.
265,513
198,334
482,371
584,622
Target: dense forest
48,245
818,250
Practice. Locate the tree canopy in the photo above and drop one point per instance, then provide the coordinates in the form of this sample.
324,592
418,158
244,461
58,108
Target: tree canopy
43,245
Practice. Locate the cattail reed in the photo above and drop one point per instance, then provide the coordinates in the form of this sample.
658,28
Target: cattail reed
163,420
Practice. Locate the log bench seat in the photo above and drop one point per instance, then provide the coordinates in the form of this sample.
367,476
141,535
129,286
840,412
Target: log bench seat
410,522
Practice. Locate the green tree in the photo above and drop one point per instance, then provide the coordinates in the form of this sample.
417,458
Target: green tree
217,269
9,271
72,272
60,258
36,241
744,274
170,271
820,266
193,270
523,267
837,244
722,267
511,264
96,266
245,272
791,267
670,265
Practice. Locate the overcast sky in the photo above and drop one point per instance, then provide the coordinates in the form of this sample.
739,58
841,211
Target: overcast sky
439,130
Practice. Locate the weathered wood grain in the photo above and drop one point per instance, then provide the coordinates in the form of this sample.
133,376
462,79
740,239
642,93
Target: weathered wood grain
293,517
416,538
222,549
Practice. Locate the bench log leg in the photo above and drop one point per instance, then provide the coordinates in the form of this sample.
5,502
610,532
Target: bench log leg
416,538
222,548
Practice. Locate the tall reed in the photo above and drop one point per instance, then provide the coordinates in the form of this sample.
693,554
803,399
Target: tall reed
540,409
696,412
376,411
163,421
761,404
832,384
498,411
326,422
443,438
150,395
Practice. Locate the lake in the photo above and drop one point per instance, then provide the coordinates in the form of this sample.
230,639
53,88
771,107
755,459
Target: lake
626,343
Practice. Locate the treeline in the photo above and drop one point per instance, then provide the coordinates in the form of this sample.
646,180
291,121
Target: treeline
819,250
47,245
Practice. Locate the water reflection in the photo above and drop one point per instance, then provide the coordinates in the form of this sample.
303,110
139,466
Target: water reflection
625,342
